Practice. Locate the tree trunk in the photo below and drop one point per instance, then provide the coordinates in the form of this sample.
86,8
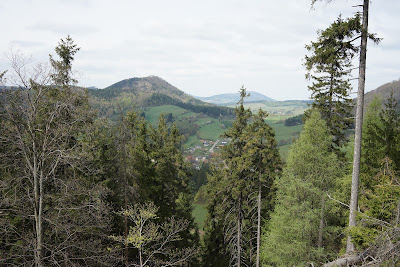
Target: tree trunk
140,257
346,261
321,222
239,231
125,203
258,222
38,210
358,132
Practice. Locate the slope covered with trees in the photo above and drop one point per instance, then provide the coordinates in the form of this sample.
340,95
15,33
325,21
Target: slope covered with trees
149,92
65,177
77,189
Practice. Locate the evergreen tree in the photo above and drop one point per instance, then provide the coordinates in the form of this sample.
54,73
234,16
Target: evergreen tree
381,135
297,233
240,189
390,132
329,66
372,149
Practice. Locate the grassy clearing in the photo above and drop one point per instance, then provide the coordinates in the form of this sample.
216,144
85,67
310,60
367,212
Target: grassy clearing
211,130
279,108
153,114
199,214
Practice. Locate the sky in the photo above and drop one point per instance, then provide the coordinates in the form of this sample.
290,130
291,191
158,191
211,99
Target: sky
202,47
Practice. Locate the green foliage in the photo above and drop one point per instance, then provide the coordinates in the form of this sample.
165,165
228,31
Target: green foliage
66,50
250,158
296,120
154,240
379,204
55,211
210,110
292,235
372,149
390,131
381,135
329,67
199,177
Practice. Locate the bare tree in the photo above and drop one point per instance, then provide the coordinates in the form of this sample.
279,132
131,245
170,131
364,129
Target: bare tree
42,163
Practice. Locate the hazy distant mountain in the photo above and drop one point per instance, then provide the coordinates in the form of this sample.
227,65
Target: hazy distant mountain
223,99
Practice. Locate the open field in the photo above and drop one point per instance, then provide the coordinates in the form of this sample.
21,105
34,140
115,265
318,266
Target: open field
212,129
199,214
153,113
281,109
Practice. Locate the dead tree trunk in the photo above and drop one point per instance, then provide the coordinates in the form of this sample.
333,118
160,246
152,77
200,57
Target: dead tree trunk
358,131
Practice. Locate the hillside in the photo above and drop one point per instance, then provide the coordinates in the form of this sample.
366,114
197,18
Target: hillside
384,92
143,88
226,99
147,92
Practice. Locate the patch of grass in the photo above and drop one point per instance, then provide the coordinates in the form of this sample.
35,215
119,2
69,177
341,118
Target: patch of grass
153,113
284,134
199,215
211,130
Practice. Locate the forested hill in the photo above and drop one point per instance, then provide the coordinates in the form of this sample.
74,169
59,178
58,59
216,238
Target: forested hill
384,92
149,92
144,87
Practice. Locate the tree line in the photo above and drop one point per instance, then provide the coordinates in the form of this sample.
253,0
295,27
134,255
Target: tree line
76,191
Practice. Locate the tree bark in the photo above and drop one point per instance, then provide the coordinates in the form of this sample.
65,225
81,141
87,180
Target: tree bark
258,222
346,261
38,209
321,222
358,131
239,231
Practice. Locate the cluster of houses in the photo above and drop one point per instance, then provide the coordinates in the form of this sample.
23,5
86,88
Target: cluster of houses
203,153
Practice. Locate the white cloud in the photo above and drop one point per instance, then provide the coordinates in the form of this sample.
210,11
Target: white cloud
202,47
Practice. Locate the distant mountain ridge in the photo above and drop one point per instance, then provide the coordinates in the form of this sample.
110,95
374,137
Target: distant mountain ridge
224,99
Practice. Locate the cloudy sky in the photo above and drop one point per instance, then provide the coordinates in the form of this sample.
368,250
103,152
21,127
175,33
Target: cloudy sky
202,47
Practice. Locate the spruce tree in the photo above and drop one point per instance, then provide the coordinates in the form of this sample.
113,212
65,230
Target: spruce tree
372,148
329,66
240,189
390,133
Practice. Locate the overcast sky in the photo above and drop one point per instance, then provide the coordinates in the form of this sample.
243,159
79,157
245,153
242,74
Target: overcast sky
202,47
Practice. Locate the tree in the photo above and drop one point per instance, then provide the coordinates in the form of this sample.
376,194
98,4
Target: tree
372,149
240,186
297,232
358,131
236,170
390,131
154,241
45,169
359,119
2,74
329,65
62,74
265,160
